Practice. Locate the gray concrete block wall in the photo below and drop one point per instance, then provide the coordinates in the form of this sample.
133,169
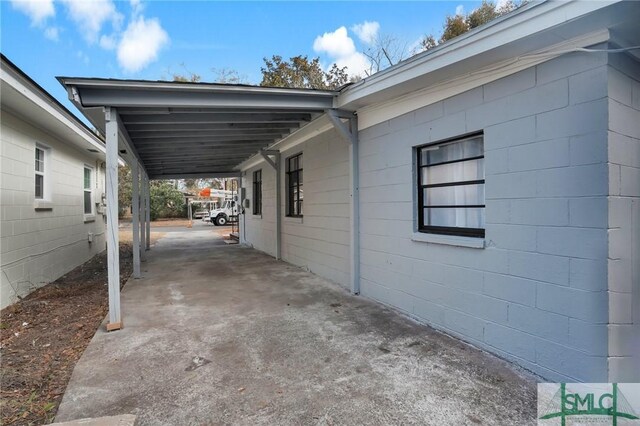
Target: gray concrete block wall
38,247
319,241
537,293
623,260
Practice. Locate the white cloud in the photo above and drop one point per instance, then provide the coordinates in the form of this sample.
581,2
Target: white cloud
52,33
108,42
460,10
357,64
140,44
37,10
340,47
501,3
136,7
90,16
336,44
82,56
367,31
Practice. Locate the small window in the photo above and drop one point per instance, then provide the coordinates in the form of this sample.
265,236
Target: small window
40,168
257,192
451,187
88,191
294,186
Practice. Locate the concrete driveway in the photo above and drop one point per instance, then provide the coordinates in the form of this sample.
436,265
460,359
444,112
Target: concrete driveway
218,334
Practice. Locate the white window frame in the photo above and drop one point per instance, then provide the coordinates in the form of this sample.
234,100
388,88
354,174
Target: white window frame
43,203
88,217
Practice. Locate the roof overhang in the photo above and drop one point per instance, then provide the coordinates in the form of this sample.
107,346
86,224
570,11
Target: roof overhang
533,28
24,98
196,129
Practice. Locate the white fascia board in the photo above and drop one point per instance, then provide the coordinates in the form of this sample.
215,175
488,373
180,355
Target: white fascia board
42,101
190,87
377,113
311,130
532,19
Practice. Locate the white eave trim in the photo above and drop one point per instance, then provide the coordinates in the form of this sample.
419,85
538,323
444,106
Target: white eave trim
382,111
313,129
193,87
532,19
40,99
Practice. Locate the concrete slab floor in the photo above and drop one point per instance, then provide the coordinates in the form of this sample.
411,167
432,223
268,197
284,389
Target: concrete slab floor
218,334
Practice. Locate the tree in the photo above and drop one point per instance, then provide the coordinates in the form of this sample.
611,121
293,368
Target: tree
124,190
229,76
453,27
189,77
166,200
459,24
301,73
385,51
480,16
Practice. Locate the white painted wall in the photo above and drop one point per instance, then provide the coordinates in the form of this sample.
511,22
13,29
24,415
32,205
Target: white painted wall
319,241
260,230
624,218
38,247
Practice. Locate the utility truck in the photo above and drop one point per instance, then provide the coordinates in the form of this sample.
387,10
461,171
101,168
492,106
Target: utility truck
227,212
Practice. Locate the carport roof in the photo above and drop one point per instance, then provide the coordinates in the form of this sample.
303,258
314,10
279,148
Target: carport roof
182,130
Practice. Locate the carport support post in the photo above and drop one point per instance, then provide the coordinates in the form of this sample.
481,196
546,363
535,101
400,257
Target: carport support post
135,218
147,202
113,254
143,217
349,133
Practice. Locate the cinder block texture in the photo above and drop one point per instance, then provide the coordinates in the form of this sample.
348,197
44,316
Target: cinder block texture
561,153
623,81
319,241
39,246
542,276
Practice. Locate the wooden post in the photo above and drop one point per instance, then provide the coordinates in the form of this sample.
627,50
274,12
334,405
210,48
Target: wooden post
148,210
113,250
135,219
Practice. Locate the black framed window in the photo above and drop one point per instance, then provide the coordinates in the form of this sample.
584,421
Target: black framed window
451,187
257,192
295,194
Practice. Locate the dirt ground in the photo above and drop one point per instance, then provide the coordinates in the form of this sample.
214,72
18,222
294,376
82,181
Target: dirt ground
171,222
43,336
125,236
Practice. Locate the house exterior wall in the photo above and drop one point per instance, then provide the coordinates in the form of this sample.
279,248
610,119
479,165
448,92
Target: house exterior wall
550,288
319,241
624,218
537,292
260,230
40,246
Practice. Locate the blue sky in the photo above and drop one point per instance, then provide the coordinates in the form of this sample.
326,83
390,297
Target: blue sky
153,39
